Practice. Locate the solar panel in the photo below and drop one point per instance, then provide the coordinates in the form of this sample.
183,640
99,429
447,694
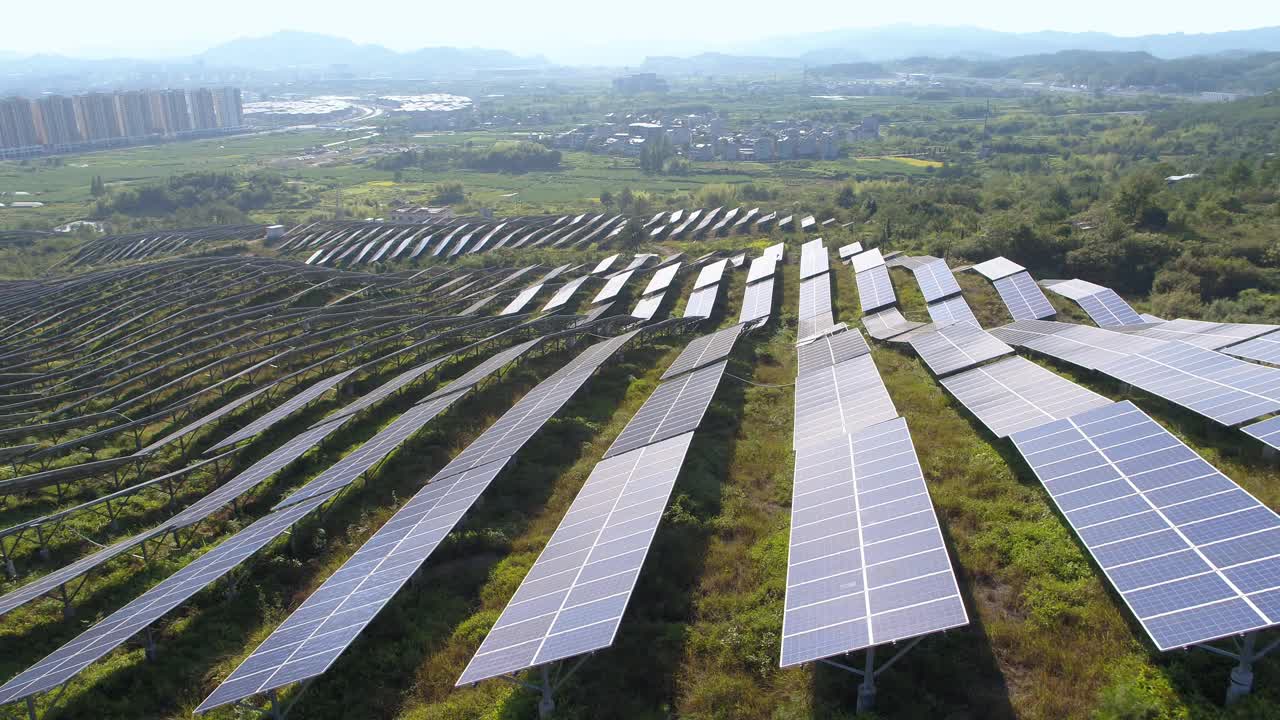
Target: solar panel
831,350
875,290
815,296
1208,335
475,307
936,280
1023,297
952,309
848,251
374,450
888,323
116,629
204,420
864,261
1108,309
701,302
711,274
813,259
661,279
254,475
1262,349
605,264
761,268
675,407
1217,386
704,350
867,563
518,425
648,307
315,634
522,299
1016,394
1074,289
486,368
387,388
1267,431
949,348
565,292
812,327
612,287
757,301
285,409
1192,554
775,251
573,598
998,267
639,261
840,399
1088,347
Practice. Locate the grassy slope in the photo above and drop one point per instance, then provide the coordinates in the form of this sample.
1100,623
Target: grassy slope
1048,638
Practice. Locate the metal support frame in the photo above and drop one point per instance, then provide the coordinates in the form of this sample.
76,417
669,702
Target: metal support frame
1246,655
550,683
869,672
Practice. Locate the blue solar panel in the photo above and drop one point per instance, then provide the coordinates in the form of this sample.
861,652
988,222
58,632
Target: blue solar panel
1267,431
935,279
867,562
875,290
951,310
1191,553
1023,297
1262,349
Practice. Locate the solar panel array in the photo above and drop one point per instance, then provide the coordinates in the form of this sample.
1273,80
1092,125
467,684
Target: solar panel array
1267,431
757,301
949,348
864,261
936,280
701,302
1191,553
117,628
522,299
565,293
1217,386
1088,347
1015,394
888,323
1103,305
813,259
704,350
710,274
285,409
866,562
315,634
661,279
951,310
1262,349
847,251
572,600
1208,335
648,307
612,287
815,297
674,408
1025,299
997,268
875,290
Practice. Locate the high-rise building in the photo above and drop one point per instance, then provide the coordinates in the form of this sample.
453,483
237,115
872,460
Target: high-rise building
227,105
97,116
134,110
203,114
58,125
177,117
17,123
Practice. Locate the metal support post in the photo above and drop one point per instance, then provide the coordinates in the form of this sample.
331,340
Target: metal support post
1242,674
150,650
867,690
547,705
31,707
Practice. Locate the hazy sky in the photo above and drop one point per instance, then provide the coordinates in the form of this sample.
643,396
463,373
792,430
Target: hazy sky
157,28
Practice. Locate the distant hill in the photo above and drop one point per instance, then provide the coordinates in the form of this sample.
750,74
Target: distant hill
895,42
719,64
302,49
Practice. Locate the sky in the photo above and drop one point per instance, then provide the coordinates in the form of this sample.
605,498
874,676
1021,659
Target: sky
565,29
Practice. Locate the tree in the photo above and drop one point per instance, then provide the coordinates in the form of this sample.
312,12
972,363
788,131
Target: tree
846,197
97,187
606,198
449,193
626,198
